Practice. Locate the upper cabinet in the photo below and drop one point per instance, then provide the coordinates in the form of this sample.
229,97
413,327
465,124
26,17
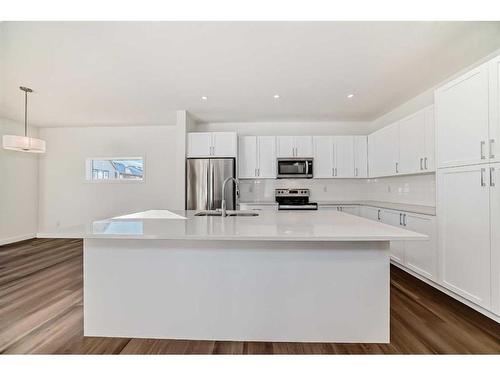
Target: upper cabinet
462,119
257,157
213,144
383,151
494,125
340,156
294,146
405,147
360,156
416,142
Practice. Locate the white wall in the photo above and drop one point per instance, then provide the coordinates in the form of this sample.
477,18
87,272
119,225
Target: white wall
18,188
289,128
65,198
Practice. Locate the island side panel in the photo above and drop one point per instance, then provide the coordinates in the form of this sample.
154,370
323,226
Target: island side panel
237,290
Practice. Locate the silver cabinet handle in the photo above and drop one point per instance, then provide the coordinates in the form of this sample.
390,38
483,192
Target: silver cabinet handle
482,176
336,173
404,220
482,150
356,172
397,171
333,171
421,166
492,155
492,183
400,218
425,163
378,214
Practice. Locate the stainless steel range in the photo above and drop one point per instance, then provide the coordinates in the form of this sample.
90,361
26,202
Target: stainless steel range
294,199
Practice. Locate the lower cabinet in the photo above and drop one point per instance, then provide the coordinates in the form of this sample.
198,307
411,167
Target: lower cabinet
397,247
372,213
350,209
464,231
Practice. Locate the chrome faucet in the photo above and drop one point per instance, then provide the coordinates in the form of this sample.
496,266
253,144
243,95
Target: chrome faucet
223,206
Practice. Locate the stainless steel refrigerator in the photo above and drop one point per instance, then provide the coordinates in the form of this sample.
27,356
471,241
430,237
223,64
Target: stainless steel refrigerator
204,178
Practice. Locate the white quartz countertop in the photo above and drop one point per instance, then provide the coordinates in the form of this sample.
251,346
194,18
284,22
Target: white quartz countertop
327,225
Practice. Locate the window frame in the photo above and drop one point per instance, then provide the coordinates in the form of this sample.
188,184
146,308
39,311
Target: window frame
88,172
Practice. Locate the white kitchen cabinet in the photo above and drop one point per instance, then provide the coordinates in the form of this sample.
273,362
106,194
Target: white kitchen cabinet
353,210
323,166
383,151
360,156
343,156
350,209
334,157
430,140
462,119
412,143
421,256
266,157
285,146
199,145
257,157
303,146
247,156
494,171
213,144
224,144
494,109
464,232
294,146
397,248
372,213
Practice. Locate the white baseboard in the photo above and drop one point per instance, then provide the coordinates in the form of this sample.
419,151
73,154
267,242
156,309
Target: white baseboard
441,288
9,240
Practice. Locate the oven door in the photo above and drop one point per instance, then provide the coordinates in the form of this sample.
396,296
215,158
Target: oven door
294,168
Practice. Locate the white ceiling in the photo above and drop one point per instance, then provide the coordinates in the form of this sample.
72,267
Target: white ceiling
140,73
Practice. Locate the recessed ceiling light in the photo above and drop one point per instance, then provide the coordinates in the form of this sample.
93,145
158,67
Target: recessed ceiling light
276,96
350,96
204,98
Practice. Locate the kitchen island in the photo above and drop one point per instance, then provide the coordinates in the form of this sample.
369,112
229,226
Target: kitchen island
315,276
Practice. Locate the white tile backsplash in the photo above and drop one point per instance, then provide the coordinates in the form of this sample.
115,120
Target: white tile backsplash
418,189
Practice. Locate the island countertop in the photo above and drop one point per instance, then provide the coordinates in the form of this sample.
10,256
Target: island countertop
268,226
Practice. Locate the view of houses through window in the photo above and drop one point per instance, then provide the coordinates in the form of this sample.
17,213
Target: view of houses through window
115,169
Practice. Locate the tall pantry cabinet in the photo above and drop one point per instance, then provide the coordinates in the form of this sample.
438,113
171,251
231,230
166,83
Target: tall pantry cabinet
468,204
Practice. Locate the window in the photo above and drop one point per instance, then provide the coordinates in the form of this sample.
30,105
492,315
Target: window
115,169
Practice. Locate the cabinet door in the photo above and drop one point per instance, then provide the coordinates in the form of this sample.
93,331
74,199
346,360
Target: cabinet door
224,144
412,143
397,247
360,157
421,256
385,157
266,157
373,158
430,140
371,213
323,157
199,145
464,232
285,147
304,146
495,235
344,156
461,109
247,157
494,130
353,210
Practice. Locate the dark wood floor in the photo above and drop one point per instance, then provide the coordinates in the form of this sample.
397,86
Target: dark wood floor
41,312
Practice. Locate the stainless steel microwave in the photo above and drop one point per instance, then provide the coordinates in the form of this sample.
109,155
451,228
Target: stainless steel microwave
295,168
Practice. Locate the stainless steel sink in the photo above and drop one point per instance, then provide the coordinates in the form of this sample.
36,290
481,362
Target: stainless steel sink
229,213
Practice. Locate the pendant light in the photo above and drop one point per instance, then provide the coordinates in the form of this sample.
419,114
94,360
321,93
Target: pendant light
20,143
